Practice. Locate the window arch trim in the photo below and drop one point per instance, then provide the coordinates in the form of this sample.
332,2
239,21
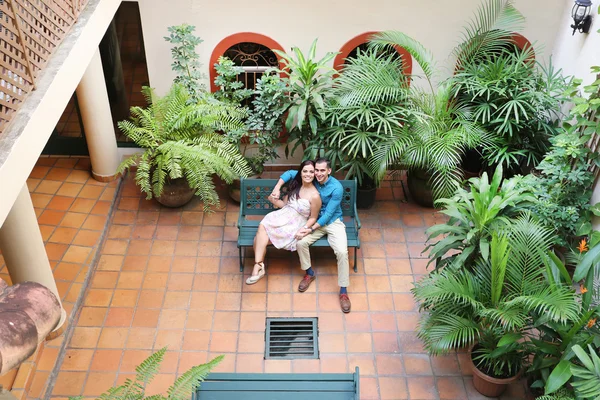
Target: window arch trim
234,39
356,41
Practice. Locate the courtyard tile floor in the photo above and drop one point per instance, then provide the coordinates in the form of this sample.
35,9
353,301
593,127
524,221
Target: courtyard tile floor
170,277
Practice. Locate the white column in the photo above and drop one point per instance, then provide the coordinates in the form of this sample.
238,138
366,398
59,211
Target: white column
97,121
23,248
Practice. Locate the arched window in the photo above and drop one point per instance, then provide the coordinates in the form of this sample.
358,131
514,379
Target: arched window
251,51
350,48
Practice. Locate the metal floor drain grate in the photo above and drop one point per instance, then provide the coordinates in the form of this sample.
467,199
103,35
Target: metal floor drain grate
288,338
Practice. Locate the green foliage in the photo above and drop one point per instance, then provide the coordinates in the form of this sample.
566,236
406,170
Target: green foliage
367,106
180,142
490,31
553,348
586,373
475,214
437,134
515,100
493,301
309,83
564,186
181,389
561,394
229,88
185,60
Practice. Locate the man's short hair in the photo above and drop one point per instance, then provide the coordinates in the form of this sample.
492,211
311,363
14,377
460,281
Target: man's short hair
321,160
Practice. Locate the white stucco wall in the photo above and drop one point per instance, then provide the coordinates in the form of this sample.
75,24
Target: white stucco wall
436,24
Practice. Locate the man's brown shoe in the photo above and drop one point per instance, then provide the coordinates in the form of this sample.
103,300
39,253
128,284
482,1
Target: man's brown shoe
345,303
305,282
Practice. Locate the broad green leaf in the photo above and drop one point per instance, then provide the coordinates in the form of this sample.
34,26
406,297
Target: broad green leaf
558,377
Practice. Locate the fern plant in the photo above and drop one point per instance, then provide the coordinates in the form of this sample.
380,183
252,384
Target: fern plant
180,141
181,389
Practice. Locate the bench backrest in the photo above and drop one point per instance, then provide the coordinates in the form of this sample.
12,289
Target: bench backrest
254,193
220,386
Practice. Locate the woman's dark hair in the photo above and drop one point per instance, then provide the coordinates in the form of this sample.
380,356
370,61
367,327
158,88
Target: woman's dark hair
296,183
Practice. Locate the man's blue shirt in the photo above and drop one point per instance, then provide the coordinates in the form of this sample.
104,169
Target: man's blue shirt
331,197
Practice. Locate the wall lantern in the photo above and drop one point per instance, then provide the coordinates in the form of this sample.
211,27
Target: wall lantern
581,16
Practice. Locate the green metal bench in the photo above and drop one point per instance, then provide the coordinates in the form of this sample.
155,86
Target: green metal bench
254,203
221,386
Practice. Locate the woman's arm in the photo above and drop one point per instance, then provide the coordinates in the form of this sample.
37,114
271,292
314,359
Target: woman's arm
277,202
315,207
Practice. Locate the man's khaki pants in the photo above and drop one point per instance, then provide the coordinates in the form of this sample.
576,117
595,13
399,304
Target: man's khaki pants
336,236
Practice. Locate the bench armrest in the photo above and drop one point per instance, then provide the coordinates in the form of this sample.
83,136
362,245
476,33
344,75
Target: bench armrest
356,219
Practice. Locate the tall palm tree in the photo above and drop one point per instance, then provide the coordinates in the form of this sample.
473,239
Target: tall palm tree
439,132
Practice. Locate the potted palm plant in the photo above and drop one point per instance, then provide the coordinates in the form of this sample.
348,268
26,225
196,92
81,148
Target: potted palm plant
489,304
431,145
366,108
182,150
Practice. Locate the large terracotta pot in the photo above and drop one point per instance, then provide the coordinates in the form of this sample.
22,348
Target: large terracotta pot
234,188
420,187
485,384
176,193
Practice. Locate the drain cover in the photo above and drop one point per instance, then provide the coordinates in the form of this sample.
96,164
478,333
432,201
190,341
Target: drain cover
288,338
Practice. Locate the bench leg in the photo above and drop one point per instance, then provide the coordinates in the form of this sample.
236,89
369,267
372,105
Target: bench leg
241,259
355,266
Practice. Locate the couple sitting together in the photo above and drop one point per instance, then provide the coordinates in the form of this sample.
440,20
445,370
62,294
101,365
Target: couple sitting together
310,209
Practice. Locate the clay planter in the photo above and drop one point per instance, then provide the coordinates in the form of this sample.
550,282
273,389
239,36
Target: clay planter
176,193
234,188
420,188
486,385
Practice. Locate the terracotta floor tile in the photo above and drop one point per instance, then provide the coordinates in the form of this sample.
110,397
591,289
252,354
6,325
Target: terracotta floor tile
357,322
94,222
375,266
77,360
124,298
80,205
119,316
249,363
399,266
209,249
98,297
278,366
331,322
166,232
306,366
365,363
334,363
377,283
279,302
60,203
383,321
417,364
146,318
92,316
141,338
77,254
451,388
104,279
190,233
401,283
389,364
404,302
445,365
129,203
385,342
119,231
184,264
51,217
396,250
169,338
143,232
172,319
91,192
151,298
251,343
133,358
135,263
48,359
102,208
422,388
70,189
197,340
178,300
189,359
139,247
223,342
252,321
48,187
408,321
394,388
169,363
130,280
369,388
98,382
38,384
359,342
78,176
39,171
66,271
146,217
69,383
115,246
86,238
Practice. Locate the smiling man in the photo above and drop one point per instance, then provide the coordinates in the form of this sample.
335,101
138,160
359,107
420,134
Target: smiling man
329,223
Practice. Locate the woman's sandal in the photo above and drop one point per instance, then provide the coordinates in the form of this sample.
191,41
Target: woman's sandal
255,278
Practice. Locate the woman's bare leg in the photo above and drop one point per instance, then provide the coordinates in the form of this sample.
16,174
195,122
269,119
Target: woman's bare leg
261,241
